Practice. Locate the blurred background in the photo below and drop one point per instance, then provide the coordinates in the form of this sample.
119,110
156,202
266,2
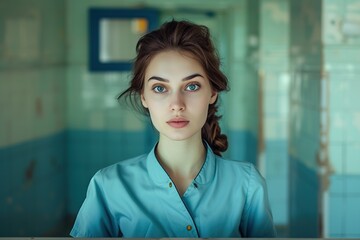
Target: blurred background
293,109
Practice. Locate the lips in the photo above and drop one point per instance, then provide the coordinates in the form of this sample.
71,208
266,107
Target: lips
178,122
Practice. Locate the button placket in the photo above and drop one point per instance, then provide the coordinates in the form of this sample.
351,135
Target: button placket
189,222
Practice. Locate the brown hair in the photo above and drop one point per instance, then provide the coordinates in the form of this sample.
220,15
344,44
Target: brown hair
194,39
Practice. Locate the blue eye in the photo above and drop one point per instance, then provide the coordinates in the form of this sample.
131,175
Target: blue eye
159,89
192,87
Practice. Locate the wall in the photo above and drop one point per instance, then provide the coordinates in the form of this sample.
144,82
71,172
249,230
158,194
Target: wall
324,130
341,80
240,104
32,119
100,130
305,111
275,79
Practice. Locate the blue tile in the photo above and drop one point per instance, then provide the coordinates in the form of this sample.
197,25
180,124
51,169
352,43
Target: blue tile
280,213
114,136
277,189
242,146
336,215
76,193
277,166
5,172
97,154
303,200
3,213
337,184
3,157
98,149
114,153
29,205
352,184
278,145
352,215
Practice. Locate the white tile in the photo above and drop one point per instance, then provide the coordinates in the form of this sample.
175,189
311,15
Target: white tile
336,101
96,120
271,105
336,156
353,127
276,128
338,125
271,83
352,159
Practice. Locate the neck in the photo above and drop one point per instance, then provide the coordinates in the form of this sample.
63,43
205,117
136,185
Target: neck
181,158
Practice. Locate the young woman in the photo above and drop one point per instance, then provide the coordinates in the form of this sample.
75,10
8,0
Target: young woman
183,187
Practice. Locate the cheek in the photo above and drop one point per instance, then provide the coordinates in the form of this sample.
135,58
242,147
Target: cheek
199,107
155,108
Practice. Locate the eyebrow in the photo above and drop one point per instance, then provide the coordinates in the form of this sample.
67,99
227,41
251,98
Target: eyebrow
184,79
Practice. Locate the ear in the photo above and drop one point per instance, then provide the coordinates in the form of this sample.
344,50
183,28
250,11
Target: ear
143,101
213,97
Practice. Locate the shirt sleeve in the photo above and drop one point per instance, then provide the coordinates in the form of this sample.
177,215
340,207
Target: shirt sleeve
94,218
257,220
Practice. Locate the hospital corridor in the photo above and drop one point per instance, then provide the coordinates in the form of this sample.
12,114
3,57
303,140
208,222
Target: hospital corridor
293,109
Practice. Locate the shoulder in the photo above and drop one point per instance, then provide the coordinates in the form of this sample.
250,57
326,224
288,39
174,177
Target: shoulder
241,169
235,165
119,169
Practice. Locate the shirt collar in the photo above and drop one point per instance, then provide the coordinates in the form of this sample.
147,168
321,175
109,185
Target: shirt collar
159,175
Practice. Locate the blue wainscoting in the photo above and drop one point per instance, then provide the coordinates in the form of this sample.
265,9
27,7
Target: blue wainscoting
91,150
303,200
344,211
242,146
33,187
277,178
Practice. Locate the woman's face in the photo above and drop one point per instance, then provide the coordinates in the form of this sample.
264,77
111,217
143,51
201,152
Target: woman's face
177,94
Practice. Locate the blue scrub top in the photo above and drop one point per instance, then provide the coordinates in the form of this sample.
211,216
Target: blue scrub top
136,198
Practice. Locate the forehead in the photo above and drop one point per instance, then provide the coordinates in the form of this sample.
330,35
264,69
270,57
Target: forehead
173,63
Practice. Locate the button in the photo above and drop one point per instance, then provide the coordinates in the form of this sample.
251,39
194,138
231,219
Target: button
170,184
188,227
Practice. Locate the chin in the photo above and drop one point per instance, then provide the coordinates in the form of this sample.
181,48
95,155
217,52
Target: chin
179,136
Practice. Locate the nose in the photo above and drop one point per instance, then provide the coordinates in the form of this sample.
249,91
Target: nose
177,103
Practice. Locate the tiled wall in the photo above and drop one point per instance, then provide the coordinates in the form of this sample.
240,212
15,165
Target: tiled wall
33,188
32,117
274,73
304,145
344,150
329,83
90,150
101,131
240,105
305,112
342,61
